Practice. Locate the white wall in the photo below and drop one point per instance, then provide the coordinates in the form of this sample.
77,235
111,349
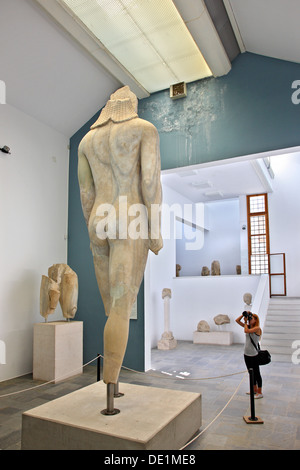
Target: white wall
33,217
201,298
221,241
194,298
284,216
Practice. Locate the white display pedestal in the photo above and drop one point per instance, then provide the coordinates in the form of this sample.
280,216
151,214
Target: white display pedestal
213,337
149,418
57,350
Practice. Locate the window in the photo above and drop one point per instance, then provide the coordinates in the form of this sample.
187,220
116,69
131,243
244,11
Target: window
258,233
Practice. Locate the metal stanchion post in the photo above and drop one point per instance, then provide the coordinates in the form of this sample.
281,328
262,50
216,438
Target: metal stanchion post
252,419
98,367
110,410
117,394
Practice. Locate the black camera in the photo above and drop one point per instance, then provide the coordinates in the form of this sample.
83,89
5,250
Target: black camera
248,315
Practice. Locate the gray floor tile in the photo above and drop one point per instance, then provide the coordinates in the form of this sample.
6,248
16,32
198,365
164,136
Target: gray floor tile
215,372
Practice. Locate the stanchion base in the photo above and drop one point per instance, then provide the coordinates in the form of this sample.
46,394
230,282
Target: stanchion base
256,420
106,412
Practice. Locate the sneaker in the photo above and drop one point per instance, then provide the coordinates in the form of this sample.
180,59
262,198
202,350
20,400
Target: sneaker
258,395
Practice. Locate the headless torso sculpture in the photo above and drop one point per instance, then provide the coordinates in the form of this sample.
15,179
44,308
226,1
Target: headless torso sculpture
118,169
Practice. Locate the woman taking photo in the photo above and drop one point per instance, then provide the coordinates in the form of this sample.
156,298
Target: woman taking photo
252,330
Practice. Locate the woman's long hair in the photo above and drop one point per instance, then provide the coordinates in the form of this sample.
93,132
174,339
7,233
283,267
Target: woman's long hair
256,319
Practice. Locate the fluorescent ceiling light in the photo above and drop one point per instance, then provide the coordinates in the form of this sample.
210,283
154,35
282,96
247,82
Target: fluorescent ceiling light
214,194
201,184
148,37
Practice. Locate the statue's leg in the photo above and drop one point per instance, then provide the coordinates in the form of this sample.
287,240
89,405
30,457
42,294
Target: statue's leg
126,269
101,264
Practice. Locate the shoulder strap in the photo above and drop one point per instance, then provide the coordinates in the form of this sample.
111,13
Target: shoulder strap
257,349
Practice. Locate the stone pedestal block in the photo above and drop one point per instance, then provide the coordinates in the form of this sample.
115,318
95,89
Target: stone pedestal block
150,418
57,350
213,337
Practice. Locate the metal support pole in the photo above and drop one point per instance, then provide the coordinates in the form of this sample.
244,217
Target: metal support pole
251,380
98,367
110,410
252,419
117,394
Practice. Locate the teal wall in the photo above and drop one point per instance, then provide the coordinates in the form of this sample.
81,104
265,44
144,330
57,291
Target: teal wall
248,111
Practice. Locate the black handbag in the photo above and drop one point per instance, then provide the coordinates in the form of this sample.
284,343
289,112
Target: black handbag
264,357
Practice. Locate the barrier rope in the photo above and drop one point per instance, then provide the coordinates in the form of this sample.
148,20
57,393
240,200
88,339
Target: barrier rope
50,381
123,367
219,414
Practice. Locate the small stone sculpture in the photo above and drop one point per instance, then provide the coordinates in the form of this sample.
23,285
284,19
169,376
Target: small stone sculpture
60,285
178,269
203,326
247,299
49,296
167,340
221,319
166,293
215,268
205,271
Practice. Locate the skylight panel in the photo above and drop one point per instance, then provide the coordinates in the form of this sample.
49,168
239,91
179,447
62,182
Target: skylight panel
148,37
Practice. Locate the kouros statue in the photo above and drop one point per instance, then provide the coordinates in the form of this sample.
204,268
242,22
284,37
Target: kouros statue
120,190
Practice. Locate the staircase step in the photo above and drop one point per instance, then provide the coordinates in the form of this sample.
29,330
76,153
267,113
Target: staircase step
292,309
282,322
288,319
283,308
278,349
276,336
284,305
277,342
279,329
282,328
281,358
286,316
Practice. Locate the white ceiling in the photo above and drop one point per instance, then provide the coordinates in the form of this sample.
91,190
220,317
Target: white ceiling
51,77
47,74
225,180
268,27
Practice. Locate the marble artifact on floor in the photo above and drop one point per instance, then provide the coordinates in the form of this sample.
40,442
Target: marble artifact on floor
215,268
61,285
119,175
167,340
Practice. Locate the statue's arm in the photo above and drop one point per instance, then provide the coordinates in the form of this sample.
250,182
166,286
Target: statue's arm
151,184
86,184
